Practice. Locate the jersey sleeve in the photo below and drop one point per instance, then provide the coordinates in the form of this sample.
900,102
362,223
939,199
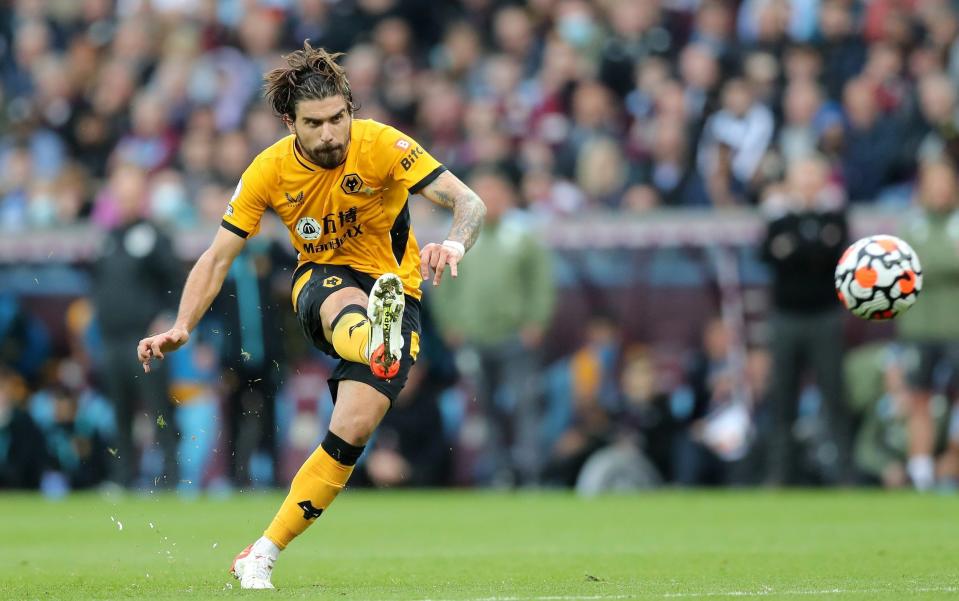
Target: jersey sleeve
242,216
408,164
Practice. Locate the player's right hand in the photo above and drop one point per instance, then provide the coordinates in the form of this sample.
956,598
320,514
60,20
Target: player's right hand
156,345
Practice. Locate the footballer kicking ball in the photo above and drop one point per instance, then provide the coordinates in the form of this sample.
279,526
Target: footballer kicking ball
878,277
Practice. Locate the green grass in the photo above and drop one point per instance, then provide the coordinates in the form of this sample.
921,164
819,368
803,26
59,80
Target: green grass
521,547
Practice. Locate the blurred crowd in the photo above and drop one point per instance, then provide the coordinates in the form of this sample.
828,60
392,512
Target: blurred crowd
137,117
612,104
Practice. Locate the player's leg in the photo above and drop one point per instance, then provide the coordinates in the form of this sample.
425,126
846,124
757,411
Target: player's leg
358,411
345,323
365,328
361,400
155,392
920,424
826,359
921,439
788,363
948,469
119,382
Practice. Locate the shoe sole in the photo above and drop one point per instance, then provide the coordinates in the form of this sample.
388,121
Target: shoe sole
385,312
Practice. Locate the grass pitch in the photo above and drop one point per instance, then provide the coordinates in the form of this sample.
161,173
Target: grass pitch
385,546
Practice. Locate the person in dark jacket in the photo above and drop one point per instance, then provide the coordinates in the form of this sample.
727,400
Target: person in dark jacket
870,143
135,280
249,309
806,235
23,455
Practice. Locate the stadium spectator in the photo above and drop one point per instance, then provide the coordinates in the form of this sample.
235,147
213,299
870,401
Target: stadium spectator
714,26
589,106
796,138
193,386
870,143
150,144
586,407
940,109
249,310
77,427
644,415
884,70
805,236
734,141
931,329
666,172
841,47
636,33
88,80
714,432
15,199
876,380
134,281
411,447
23,457
101,115
498,309
24,339
514,35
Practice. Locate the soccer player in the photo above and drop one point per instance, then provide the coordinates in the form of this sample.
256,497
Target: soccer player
341,185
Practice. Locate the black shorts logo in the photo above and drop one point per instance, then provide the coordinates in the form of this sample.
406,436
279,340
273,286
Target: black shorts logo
351,183
332,282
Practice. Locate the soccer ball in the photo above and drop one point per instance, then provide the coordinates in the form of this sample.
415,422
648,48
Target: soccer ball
878,277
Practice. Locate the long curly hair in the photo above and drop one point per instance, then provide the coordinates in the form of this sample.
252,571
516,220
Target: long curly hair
310,74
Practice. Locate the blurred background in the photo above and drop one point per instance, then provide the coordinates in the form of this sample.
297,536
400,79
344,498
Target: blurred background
670,184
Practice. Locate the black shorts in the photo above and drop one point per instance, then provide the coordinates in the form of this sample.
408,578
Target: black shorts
932,365
323,281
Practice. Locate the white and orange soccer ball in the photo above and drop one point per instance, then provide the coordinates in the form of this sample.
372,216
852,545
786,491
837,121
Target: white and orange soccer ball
878,277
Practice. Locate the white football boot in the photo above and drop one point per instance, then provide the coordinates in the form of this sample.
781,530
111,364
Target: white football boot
253,570
385,312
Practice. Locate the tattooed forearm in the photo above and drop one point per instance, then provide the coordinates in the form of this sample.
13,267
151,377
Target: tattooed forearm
468,209
468,213
442,198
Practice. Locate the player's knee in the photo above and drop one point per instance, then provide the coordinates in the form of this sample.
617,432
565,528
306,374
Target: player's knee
356,427
339,300
356,430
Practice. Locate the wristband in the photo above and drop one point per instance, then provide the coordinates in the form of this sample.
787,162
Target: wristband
455,246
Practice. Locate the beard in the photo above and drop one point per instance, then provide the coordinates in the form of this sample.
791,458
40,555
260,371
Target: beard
327,157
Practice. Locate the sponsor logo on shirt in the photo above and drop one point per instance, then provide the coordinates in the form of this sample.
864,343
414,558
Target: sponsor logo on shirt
309,228
409,159
294,200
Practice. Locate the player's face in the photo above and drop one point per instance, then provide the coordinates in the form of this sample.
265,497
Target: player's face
938,188
322,129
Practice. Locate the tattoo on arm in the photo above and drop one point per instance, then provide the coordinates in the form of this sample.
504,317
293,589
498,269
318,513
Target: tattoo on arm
468,209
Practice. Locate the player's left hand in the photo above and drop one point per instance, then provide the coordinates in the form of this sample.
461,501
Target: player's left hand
437,257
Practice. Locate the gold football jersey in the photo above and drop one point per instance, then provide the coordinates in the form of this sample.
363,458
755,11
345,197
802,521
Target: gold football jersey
356,214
